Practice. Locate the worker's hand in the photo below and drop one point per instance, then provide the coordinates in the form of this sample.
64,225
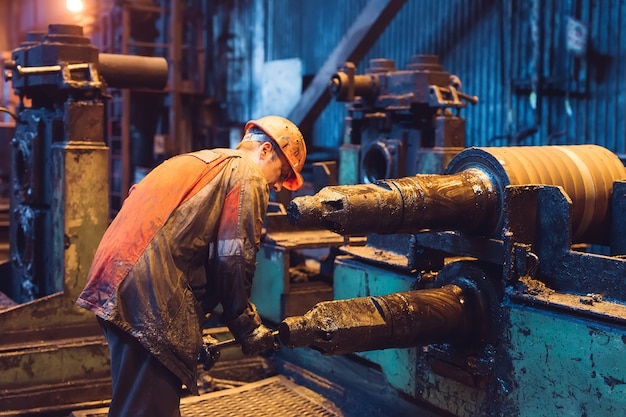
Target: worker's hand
259,340
250,332
208,353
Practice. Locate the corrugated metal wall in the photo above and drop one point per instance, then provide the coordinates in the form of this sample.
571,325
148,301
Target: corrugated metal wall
511,54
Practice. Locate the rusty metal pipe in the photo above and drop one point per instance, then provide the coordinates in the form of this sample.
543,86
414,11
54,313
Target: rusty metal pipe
465,201
469,196
448,314
343,86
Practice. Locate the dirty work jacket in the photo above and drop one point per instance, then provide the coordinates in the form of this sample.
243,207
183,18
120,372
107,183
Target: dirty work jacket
184,240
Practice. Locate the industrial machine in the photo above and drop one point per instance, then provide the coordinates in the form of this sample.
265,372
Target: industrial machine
399,122
52,353
294,267
512,279
473,278
487,273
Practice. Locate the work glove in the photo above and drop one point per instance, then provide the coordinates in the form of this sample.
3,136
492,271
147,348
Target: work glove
250,332
208,354
261,339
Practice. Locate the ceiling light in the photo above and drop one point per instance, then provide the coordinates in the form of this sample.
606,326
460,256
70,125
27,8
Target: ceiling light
74,5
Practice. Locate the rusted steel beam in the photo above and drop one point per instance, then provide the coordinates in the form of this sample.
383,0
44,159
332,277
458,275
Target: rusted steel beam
359,38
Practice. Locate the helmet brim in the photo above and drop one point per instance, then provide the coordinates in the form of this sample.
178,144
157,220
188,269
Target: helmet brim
294,183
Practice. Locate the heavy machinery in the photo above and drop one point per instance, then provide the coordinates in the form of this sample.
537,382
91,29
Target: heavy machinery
51,353
399,122
486,277
509,297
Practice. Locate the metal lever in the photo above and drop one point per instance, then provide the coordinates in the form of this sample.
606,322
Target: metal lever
210,353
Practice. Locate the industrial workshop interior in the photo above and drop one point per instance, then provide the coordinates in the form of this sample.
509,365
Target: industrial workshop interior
457,246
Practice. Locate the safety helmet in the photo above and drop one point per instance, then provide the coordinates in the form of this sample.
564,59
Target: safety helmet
291,142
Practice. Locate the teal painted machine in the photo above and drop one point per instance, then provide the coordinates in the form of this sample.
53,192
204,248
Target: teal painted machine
491,279
495,307
294,269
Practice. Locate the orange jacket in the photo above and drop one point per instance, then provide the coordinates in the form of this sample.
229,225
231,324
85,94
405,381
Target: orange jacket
184,240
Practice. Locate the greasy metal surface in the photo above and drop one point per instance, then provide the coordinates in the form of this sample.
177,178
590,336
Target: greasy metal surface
465,200
454,379
308,239
544,213
469,197
403,319
352,280
271,397
536,293
379,256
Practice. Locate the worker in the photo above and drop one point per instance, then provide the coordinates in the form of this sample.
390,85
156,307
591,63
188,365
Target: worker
184,241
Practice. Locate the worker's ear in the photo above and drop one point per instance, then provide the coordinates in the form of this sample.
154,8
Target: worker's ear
266,149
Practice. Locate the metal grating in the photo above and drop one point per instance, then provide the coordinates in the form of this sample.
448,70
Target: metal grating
275,396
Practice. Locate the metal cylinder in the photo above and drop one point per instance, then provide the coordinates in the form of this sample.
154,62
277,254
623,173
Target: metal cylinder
380,160
126,71
63,59
469,196
363,85
464,201
396,320
585,172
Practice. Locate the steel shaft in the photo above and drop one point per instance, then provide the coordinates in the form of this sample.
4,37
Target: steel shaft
404,319
466,201
469,197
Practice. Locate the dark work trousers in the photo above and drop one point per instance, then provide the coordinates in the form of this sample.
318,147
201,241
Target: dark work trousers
142,386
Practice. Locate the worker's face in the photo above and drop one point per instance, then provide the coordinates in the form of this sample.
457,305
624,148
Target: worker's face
274,166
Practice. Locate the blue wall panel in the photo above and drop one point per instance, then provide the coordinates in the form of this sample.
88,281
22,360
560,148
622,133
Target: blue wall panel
503,51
